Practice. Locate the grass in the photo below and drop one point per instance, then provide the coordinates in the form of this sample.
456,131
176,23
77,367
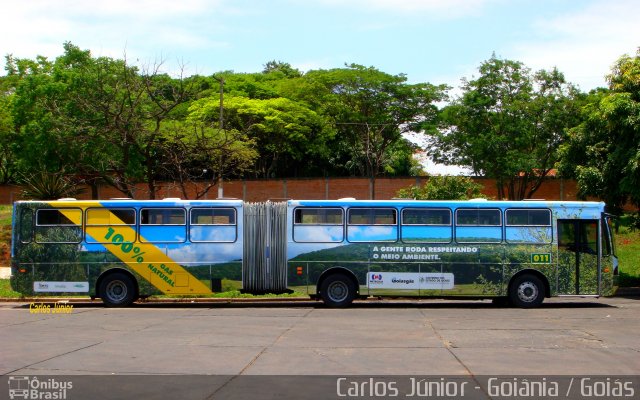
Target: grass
628,250
5,235
5,290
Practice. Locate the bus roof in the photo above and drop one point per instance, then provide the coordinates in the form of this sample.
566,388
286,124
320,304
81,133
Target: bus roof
169,202
451,203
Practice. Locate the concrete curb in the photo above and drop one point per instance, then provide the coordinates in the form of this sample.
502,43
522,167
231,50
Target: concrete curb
622,292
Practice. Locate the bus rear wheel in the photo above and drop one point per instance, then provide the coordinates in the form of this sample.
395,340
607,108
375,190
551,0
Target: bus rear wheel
526,291
117,290
337,290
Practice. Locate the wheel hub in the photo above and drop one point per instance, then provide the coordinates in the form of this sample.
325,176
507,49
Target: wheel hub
527,292
116,291
338,291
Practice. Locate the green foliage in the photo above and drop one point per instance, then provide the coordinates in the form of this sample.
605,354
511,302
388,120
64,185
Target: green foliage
603,152
444,188
200,155
628,251
49,186
6,291
8,136
369,110
104,120
282,68
285,132
634,222
508,124
401,161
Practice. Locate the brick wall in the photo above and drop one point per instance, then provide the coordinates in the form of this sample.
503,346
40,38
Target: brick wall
310,188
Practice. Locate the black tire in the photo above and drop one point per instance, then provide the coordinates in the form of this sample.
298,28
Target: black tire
337,290
526,291
117,290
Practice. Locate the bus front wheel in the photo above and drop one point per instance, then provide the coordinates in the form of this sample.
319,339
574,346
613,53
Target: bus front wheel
117,290
526,291
337,290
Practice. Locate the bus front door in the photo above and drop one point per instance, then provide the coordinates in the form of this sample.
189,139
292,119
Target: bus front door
578,249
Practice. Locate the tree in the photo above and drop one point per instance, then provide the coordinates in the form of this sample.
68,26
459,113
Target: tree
286,133
370,110
8,137
603,152
281,67
508,125
201,154
444,188
105,116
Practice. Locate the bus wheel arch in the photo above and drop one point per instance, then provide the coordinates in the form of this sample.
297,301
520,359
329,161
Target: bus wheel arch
117,287
528,288
337,287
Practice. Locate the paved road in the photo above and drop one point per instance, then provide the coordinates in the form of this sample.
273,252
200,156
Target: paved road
435,337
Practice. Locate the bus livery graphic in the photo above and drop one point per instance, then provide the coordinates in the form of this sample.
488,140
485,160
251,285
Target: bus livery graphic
334,250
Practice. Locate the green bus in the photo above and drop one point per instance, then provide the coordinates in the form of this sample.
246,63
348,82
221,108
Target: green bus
332,250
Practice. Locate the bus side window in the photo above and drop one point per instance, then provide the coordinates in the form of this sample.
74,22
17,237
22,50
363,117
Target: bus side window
318,225
426,225
213,225
528,226
26,225
99,221
163,225
478,225
372,225
60,225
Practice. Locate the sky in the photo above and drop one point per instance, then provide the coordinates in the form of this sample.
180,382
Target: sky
434,41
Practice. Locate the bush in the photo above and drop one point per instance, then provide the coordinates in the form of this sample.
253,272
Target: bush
634,222
48,186
444,188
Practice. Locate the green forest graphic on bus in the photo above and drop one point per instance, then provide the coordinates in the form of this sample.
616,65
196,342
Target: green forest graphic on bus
334,250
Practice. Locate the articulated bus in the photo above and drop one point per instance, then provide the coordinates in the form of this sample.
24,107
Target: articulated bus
333,250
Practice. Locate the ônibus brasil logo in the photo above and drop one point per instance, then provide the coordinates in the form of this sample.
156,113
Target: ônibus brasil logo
25,387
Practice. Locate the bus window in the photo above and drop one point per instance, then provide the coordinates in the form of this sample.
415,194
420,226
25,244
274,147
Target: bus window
318,224
318,216
213,216
426,225
528,226
578,236
97,219
110,216
478,226
63,225
162,216
478,217
163,225
589,233
212,225
528,217
607,237
372,216
372,225
26,225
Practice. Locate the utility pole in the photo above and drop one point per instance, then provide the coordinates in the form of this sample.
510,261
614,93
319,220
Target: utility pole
221,127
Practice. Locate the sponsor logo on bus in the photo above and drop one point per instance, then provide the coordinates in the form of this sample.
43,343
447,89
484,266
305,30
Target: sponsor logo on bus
375,279
60,287
412,281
